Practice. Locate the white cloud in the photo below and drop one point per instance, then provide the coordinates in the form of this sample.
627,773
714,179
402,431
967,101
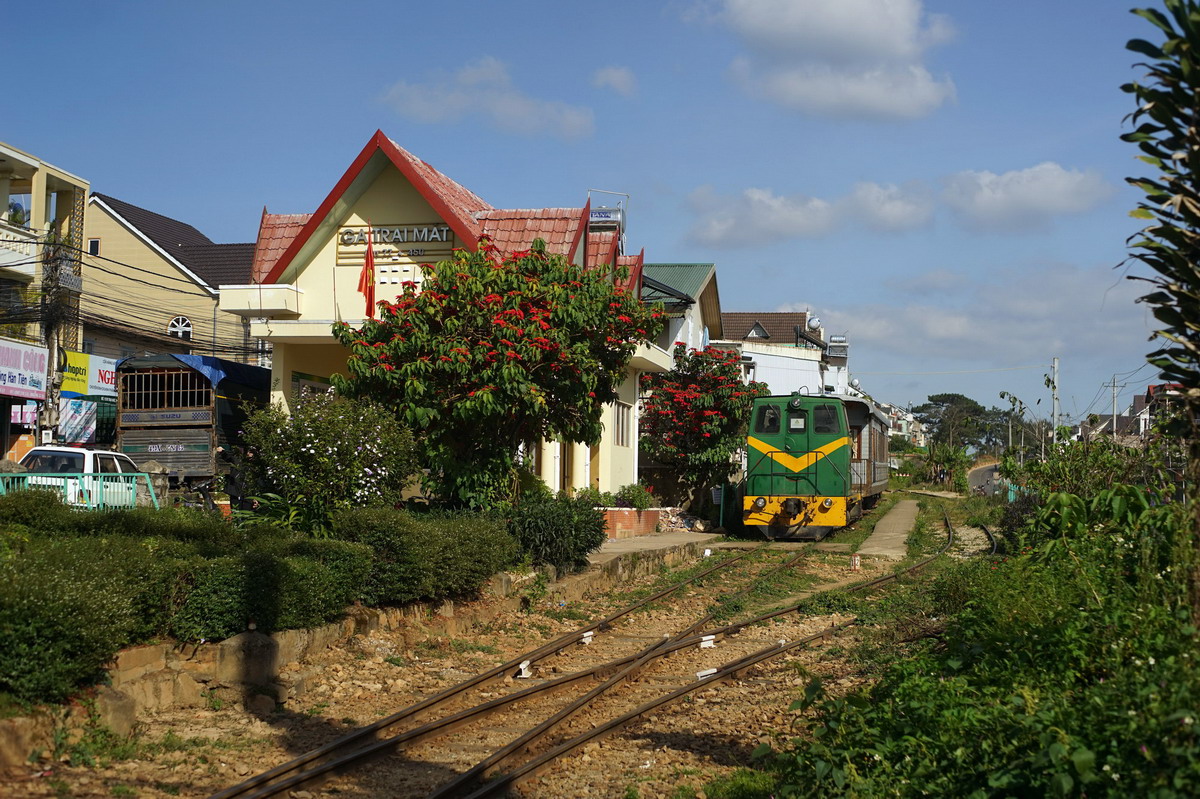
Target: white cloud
1025,198
1015,315
888,207
619,79
758,216
850,58
485,89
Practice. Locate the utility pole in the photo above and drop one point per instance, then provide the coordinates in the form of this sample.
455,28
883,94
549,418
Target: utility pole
1114,414
1054,397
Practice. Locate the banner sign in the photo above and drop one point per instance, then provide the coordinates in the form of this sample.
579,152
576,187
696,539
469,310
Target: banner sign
22,370
89,375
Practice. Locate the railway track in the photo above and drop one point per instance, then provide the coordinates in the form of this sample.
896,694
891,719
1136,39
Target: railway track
592,693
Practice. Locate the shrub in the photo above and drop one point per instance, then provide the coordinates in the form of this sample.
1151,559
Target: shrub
634,496
209,532
66,608
560,532
329,453
290,585
38,510
426,557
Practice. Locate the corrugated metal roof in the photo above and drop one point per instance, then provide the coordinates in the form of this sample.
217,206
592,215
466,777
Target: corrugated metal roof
686,278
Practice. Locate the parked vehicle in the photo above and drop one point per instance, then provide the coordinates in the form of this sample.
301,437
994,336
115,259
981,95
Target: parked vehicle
179,409
92,478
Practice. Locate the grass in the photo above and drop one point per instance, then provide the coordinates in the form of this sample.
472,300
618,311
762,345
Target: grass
445,647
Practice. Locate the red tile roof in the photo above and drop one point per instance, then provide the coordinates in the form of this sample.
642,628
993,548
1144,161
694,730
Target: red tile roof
463,203
601,248
634,264
275,233
514,230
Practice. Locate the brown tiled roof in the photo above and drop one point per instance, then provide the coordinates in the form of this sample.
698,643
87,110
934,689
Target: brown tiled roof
275,233
219,264
514,230
780,327
212,263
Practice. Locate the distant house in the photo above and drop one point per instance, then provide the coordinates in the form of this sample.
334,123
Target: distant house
787,351
306,269
688,293
151,286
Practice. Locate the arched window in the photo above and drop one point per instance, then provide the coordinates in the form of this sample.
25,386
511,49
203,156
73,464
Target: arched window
180,327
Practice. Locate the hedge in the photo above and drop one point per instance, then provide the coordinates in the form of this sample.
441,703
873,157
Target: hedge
431,557
560,532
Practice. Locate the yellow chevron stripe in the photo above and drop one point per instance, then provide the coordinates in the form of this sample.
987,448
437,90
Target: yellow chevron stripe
793,463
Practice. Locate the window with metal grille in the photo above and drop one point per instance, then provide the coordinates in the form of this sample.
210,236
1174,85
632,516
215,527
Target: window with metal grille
165,388
623,424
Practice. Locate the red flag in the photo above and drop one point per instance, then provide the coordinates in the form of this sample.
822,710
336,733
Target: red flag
366,281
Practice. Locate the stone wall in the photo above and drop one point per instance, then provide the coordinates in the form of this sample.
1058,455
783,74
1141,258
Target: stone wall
254,669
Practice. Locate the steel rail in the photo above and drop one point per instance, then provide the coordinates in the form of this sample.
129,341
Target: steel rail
732,669
364,735
526,741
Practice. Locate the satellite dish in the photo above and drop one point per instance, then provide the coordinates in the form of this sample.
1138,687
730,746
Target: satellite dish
814,323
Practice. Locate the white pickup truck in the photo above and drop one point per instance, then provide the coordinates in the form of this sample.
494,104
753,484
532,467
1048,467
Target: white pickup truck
92,478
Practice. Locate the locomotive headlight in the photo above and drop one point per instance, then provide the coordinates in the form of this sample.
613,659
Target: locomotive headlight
760,503
827,503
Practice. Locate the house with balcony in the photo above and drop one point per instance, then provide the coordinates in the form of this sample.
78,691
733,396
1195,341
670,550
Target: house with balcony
41,237
307,267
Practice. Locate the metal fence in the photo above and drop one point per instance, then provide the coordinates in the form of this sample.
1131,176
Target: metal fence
92,491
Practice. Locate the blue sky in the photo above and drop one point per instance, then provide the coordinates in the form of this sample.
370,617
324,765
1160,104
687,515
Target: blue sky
941,181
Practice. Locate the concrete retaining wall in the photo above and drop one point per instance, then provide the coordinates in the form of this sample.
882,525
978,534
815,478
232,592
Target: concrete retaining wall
250,668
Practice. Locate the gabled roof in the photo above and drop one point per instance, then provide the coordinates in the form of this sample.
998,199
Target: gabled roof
208,263
698,281
458,206
635,264
514,230
688,278
780,327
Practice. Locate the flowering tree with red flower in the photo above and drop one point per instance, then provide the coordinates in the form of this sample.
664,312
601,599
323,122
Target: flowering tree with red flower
489,352
694,417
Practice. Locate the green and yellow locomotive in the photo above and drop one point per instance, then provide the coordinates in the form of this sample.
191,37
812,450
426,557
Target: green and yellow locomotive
813,464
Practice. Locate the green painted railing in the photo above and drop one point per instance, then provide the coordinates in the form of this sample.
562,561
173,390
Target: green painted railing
93,491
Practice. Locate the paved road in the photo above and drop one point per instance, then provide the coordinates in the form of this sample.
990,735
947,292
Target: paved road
986,476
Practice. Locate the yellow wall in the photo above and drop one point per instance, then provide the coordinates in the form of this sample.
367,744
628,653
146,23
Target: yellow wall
145,291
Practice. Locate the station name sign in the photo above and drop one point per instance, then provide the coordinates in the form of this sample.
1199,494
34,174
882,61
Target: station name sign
396,234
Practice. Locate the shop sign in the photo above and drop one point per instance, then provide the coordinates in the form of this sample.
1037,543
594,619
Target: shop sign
394,243
22,370
89,375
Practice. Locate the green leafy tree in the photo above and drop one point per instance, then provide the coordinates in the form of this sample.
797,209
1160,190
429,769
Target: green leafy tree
330,453
954,419
694,417
1166,132
491,352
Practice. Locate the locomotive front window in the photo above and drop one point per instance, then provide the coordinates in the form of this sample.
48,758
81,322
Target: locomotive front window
797,421
825,419
768,420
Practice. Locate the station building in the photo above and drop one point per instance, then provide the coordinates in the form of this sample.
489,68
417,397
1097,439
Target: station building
307,266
